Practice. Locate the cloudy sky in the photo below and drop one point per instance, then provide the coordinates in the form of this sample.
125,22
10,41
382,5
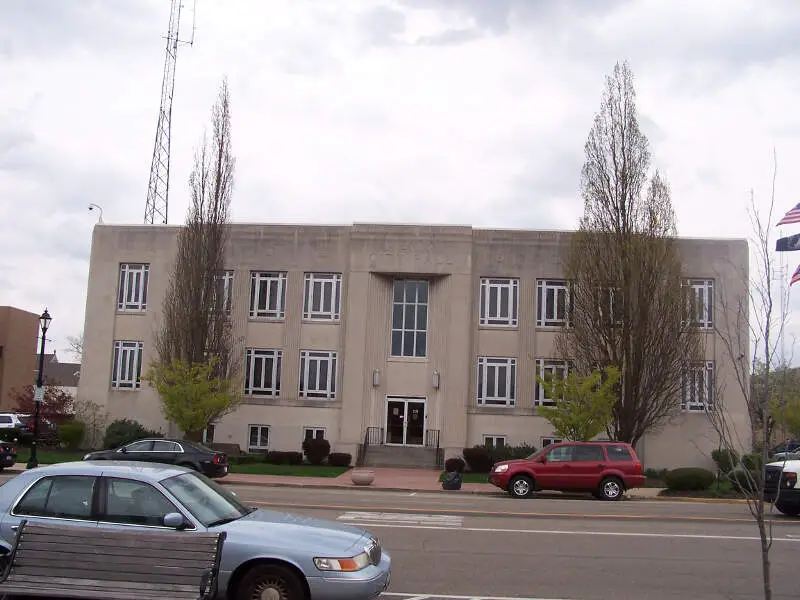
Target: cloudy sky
429,111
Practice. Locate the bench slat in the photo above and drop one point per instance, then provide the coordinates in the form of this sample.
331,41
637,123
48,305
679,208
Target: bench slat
87,553
175,575
89,582
100,561
103,593
98,533
176,540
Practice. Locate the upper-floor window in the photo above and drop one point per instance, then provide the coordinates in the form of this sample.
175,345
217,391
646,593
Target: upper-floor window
499,301
701,309
548,369
267,294
610,306
497,381
262,372
410,318
132,294
223,291
126,370
322,296
317,374
552,303
697,386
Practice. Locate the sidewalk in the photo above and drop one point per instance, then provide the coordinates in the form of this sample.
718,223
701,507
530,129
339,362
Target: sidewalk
386,480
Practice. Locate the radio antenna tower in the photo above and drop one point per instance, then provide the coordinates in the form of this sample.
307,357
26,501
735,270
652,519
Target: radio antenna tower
158,189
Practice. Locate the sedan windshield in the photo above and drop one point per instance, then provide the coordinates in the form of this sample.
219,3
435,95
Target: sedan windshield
210,503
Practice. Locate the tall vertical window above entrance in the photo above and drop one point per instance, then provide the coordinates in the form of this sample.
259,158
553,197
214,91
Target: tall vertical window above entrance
410,318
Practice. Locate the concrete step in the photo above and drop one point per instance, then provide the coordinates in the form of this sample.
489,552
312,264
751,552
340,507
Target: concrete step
400,456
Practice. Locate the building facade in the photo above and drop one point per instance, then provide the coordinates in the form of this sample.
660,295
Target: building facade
419,336
19,331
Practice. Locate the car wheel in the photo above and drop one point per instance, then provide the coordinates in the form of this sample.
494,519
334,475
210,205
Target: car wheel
789,511
270,582
520,486
611,488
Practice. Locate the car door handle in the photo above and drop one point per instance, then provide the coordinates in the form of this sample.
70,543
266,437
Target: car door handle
14,527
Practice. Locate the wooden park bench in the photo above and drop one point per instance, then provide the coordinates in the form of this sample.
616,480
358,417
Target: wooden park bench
67,561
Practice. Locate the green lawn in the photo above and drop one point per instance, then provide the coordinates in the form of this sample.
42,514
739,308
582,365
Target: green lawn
470,477
262,468
47,457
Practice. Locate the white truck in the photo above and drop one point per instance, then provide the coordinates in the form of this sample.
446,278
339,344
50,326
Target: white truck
782,487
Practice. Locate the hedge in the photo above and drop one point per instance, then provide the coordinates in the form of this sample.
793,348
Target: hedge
689,479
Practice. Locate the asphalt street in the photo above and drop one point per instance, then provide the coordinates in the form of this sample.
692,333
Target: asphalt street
470,547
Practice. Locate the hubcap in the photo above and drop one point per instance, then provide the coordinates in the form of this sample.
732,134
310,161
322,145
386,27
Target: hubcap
611,489
521,487
271,589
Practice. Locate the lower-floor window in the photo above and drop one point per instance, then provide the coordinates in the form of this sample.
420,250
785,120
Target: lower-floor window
546,441
259,438
313,433
494,441
208,434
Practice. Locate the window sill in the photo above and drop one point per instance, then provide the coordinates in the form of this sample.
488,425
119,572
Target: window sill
132,312
498,327
304,402
322,321
125,389
520,411
408,359
266,319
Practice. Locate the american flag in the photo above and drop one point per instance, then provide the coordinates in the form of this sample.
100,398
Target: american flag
793,216
796,276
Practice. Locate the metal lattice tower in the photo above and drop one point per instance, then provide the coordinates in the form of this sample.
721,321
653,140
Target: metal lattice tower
158,189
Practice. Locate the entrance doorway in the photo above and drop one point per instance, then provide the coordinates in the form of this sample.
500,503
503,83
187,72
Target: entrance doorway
405,421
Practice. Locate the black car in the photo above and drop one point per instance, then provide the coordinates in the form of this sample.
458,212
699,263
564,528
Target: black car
8,455
171,452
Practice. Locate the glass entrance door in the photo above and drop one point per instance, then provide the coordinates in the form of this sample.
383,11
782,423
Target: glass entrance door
405,421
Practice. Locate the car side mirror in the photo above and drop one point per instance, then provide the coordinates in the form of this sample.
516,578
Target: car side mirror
174,521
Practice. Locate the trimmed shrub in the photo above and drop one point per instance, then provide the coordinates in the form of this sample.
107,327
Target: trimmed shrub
316,450
277,457
71,434
651,473
340,459
125,431
510,452
454,465
753,462
478,459
726,459
245,459
689,479
744,481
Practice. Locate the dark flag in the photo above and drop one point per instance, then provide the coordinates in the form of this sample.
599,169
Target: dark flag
788,244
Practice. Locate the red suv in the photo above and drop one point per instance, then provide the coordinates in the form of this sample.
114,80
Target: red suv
606,469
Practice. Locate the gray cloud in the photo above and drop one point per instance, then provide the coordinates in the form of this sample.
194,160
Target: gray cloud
382,25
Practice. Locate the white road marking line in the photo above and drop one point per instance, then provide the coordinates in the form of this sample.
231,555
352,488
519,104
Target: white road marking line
446,597
411,519
689,536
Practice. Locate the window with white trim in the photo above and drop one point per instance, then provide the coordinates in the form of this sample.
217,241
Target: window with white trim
494,441
610,306
548,368
223,291
497,381
267,295
499,302
258,438
317,374
132,293
552,303
701,309
208,433
262,372
697,387
313,433
127,367
322,297
410,318
547,440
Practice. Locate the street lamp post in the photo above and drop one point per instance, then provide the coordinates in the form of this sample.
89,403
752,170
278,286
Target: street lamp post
38,394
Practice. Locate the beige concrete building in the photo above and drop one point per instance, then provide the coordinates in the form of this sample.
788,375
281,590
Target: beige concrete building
19,339
423,337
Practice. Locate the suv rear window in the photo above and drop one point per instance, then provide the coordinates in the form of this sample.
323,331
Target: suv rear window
619,453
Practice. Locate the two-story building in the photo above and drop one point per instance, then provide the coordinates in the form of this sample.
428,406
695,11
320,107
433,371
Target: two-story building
414,336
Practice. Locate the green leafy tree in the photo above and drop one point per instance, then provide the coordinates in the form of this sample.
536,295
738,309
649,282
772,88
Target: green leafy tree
584,404
192,394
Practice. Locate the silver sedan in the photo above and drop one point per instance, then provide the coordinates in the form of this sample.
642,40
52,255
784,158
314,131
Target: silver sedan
266,555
